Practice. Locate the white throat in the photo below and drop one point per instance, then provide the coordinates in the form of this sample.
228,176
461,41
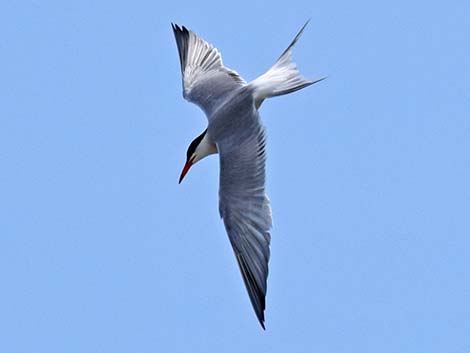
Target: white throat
205,148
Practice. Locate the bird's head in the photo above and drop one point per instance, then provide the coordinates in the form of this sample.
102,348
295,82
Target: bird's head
198,149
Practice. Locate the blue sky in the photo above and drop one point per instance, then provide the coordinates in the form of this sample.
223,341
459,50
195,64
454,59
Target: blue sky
368,173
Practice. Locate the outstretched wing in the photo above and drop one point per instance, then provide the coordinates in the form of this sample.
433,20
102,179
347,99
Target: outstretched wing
244,206
206,81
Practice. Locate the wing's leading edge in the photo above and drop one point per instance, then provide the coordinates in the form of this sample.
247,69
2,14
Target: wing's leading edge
206,81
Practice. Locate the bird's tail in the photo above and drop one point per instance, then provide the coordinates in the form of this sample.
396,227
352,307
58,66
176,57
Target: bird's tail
282,78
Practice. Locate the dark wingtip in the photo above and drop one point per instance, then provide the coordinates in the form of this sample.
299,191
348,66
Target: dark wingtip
257,296
181,35
176,28
184,30
260,316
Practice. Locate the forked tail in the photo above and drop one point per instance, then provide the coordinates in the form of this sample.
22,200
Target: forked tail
282,78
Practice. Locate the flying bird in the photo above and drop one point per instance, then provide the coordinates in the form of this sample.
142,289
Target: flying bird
236,133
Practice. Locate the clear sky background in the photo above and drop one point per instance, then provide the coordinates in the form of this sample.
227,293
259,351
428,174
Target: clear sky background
368,173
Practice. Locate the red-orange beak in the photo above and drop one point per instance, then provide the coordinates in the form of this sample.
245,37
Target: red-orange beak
185,169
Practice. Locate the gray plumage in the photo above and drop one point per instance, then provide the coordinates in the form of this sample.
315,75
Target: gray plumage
237,134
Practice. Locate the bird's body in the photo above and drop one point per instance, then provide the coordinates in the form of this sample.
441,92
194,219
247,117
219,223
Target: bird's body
236,133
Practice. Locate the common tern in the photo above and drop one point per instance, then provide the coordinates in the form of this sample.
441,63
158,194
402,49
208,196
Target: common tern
236,133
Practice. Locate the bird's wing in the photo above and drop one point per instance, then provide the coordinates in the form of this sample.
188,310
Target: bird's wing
206,81
244,205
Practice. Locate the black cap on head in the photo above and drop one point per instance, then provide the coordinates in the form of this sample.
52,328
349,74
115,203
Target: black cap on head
192,147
